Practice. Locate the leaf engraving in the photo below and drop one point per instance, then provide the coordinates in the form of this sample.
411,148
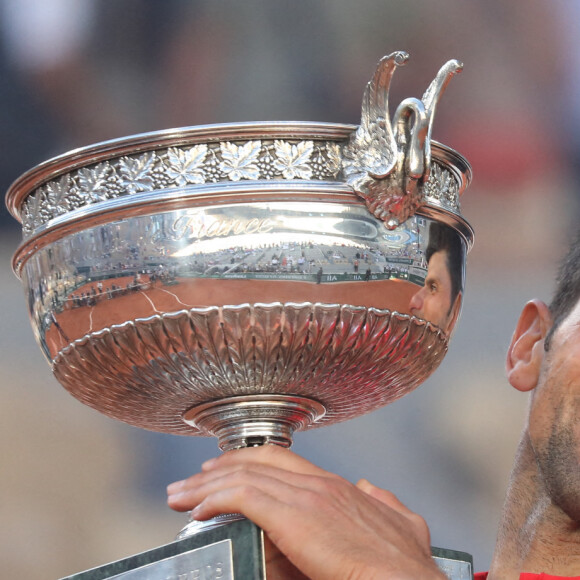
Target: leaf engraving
187,166
136,172
293,160
93,182
240,162
57,194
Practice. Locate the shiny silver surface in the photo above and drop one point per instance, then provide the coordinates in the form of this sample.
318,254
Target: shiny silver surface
188,280
387,163
194,527
351,360
455,569
211,561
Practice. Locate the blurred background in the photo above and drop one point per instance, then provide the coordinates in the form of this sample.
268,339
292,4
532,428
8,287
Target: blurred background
78,489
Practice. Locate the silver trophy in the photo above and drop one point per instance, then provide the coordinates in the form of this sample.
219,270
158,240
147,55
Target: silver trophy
247,281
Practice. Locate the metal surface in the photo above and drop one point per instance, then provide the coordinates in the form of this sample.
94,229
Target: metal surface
169,271
151,371
388,163
455,565
455,569
234,551
206,563
195,527
248,281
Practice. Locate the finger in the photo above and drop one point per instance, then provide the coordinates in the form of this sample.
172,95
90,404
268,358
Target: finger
278,566
233,467
267,456
303,493
288,486
195,489
392,501
273,455
276,519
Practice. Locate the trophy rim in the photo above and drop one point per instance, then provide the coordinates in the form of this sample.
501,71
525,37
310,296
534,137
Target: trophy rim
80,157
218,193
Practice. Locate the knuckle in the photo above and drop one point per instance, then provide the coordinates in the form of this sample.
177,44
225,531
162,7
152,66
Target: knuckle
418,520
334,487
247,493
420,525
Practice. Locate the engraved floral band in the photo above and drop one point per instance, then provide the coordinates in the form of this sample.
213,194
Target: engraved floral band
394,167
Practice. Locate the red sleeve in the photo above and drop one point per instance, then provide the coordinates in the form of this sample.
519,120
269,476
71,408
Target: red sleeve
528,576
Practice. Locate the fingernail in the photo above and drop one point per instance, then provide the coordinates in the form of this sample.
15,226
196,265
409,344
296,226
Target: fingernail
174,499
173,488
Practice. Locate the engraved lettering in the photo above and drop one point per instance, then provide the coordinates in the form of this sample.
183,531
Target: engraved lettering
238,227
190,228
213,571
213,231
180,226
266,226
253,226
210,562
225,227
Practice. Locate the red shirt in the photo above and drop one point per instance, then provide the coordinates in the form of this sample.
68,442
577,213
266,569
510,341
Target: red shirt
529,576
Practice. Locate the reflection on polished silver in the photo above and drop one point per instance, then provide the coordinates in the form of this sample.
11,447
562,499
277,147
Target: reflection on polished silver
247,281
331,363
389,164
195,526
252,420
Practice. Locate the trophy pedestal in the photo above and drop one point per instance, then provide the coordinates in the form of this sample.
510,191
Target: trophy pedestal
456,565
233,551
229,552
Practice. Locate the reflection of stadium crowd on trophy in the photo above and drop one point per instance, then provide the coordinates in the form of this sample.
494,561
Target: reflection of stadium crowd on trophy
90,296
140,281
130,265
304,259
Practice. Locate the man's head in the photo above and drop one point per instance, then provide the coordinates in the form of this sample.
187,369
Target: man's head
444,239
439,300
544,358
567,292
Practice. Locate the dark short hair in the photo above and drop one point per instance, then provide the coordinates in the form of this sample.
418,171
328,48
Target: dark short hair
445,238
567,292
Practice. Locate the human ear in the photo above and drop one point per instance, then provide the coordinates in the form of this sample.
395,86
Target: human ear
526,350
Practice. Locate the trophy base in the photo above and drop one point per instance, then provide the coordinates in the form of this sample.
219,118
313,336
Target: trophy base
229,552
232,551
455,565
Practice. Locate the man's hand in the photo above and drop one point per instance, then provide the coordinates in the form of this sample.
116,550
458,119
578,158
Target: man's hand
326,527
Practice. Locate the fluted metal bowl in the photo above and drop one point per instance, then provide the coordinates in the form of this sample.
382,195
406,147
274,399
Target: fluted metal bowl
228,280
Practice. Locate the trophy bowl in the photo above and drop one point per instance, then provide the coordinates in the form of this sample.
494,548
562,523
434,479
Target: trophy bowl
248,280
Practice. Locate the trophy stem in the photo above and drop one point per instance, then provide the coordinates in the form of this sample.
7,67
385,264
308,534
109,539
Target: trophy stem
249,421
252,420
